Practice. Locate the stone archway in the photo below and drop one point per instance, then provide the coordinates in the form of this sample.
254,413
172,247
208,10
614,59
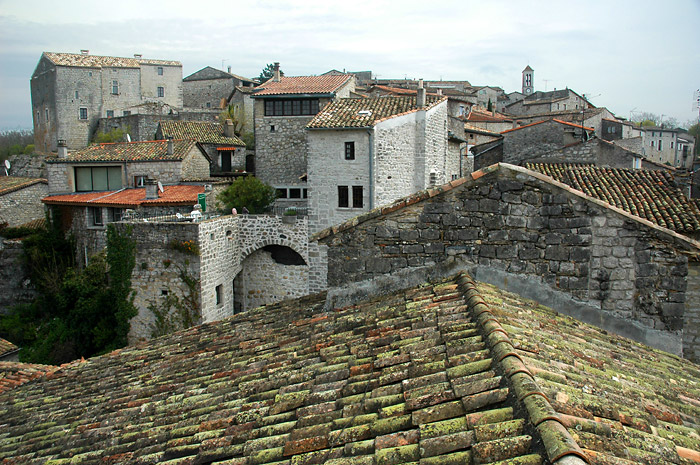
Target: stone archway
269,274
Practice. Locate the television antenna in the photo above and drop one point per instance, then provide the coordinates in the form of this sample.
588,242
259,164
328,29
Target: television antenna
7,167
160,187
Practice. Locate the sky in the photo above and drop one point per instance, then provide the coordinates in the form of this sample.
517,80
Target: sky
628,56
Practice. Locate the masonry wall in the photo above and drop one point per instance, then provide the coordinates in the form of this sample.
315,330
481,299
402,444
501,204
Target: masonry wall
543,241
15,285
23,205
399,163
43,93
527,143
206,93
328,169
170,80
691,327
438,161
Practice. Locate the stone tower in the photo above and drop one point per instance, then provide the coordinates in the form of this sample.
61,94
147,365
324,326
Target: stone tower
528,81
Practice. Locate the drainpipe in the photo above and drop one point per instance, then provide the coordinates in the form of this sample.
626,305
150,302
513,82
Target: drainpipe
370,137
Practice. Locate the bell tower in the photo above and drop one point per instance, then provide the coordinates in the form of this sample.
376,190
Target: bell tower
528,81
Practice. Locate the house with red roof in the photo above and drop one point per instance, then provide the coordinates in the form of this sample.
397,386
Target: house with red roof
20,200
283,107
97,185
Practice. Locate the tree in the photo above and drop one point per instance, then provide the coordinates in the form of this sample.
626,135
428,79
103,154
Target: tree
234,113
78,312
646,119
489,107
267,73
694,131
247,192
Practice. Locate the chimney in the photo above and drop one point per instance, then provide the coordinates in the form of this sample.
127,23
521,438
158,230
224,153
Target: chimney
439,91
420,96
151,189
276,71
228,128
171,146
62,149
229,70
138,56
84,51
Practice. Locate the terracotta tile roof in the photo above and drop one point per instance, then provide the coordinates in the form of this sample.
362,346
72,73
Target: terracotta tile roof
622,402
565,123
13,374
326,84
366,112
394,90
6,347
13,183
96,61
171,195
649,194
486,116
155,150
200,131
431,374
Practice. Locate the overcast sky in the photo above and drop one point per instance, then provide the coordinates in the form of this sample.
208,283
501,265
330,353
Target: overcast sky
626,55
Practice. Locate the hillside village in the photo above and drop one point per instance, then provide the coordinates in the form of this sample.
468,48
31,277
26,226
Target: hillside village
450,273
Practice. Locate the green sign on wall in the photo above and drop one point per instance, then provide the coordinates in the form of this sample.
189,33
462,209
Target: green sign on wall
202,201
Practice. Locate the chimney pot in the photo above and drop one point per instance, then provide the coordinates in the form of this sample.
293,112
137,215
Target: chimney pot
276,71
228,128
229,70
420,94
137,55
62,148
151,189
171,146
84,51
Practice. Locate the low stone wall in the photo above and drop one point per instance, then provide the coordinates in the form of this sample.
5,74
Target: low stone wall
522,231
15,286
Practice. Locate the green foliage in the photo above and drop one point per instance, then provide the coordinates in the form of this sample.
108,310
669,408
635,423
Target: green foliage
115,135
78,313
267,73
489,107
235,114
29,149
15,142
13,232
290,212
647,123
249,139
249,192
175,312
694,131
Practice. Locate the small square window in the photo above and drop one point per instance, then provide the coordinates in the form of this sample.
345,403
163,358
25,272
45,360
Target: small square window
350,150
219,294
83,114
110,113
95,214
161,91
295,193
160,71
208,104
272,128
139,181
126,113
282,193
76,94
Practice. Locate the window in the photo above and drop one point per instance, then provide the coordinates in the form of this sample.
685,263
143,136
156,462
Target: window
291,107
343,197
295,193
160,71
208,104
660,145
292,193
671,144
126,113
76,94
82,113
46,110
95,216
115,88
349,150
98,178
161,91
357,197
114,214
219,296
652,143
433,179
637,163
225,161
110,113
140,181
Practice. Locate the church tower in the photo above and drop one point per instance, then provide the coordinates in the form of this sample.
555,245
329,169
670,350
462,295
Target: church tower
528,81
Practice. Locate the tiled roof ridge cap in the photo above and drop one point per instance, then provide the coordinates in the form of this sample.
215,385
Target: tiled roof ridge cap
668,232
557,441
415,110
573,124
28,183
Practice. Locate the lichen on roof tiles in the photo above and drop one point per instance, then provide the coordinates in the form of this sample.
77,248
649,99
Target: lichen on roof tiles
200,131
12,183
649,194
156,150
326,84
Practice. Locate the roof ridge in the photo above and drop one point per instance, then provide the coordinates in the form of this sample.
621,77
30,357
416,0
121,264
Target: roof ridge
558,443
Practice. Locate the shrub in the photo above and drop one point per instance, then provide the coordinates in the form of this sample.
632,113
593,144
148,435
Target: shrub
249,192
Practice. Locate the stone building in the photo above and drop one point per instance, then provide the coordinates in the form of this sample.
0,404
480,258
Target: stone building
525,232
226,151
673,147
370,151
544,102
529,141
284,105
211,89
71,92
20,200
591,118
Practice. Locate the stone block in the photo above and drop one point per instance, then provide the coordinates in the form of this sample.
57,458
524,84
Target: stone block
506,185
434,247
487,251
499,235
411,249
430,234
506,251
408,234
528,252
378,265
488,205
516,221
555,252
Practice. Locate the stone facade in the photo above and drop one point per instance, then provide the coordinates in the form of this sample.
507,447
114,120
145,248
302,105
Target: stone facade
546,102
210,88
15,285
194,165
244,261
68,101
523,231
23,205
528,142
143,127
398,156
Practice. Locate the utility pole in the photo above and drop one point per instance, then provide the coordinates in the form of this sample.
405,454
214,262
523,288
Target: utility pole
545,83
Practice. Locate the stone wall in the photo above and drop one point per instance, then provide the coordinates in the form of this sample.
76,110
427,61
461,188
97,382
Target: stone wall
15,285
28,166
527,143
220,262
519,230
691,327
207,93
23,205
170,80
